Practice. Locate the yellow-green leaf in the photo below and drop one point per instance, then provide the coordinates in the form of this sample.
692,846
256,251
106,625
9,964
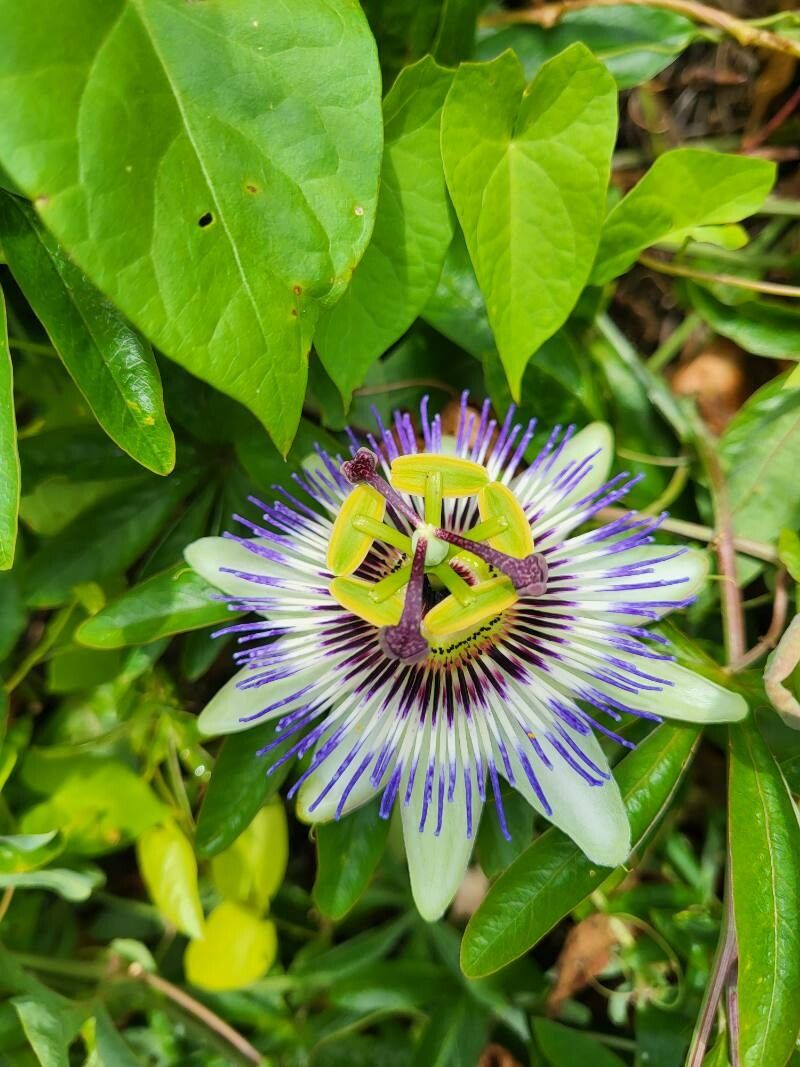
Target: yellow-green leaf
236,949
251,871
169,870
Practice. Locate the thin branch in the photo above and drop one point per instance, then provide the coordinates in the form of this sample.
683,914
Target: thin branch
780,609
198,1011
732,610
757,549
678,270
748,35
724,960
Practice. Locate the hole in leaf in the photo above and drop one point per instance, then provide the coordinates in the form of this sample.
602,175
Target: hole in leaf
205,220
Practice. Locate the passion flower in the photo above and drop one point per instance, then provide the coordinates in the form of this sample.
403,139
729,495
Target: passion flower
431,623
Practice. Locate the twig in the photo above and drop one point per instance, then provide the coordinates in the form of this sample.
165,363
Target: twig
733,1014
547,15
407,383
5,902
780,608
199,1011
677,270
777,120
732,610
756,549
724,959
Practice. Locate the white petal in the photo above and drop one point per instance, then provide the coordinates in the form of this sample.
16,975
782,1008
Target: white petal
688,572
596,437
690,697
436,864
593,816
209,554
325,811
224,712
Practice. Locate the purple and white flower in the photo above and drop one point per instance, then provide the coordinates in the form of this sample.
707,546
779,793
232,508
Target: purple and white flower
435,615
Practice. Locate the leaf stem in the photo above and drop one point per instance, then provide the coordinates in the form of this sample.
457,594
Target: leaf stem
746,33
780,609
678,270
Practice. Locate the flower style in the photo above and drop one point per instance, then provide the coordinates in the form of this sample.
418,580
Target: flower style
430,624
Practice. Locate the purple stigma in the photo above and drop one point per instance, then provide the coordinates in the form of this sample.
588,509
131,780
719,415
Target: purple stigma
405,641
528,575
362,469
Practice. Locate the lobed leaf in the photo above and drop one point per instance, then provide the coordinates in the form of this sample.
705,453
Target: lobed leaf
212,168
527,169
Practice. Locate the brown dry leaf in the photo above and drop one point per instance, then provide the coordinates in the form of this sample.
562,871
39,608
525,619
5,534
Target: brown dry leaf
586,953
717,377
497,1056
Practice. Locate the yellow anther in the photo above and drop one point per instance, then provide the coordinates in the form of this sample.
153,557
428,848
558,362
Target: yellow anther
459,477
355,595
449,617
348,545
496,501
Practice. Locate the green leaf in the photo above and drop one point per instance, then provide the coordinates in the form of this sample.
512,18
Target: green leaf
564,1046
49,1027
96,808
110,363
762,327
765,882
684,188
80,453
553,876
9,459
240,785
634,43
74,886
222,205
235,950
457,308
348,851
527,170
494,851
110,1049
789,552
102,541
759,450
169,603
413,228
454,1037
169,870
251,870
25,852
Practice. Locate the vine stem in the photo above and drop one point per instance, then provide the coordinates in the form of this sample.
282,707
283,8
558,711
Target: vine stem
748,35
756,549
678,270
198,1011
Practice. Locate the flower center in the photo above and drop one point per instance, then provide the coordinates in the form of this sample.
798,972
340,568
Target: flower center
496,554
